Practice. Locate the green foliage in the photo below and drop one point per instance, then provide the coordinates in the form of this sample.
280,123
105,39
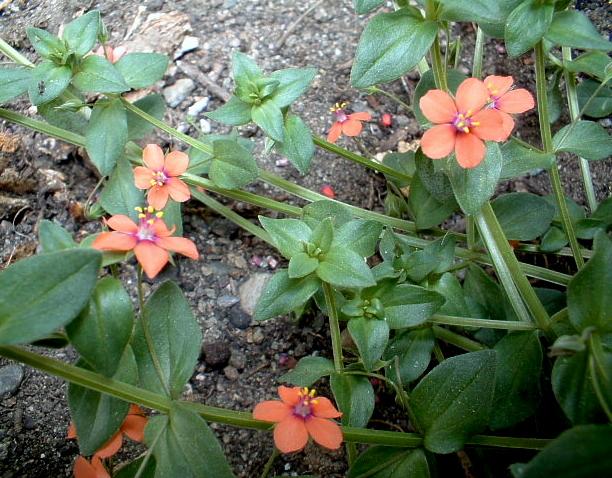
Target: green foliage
80,34
97,74
523,216
584,138
473,11
292,83
142,69
592,63
596,101
390,462
151,104
14,81
46,44
120,195
345,268
297,146
427,209
283,295
519,160
235,112
371,336
572,28
308,370
527,25
232,166
288,235
269,117
106,134
53,237
48,81
413,351
355,398
366,6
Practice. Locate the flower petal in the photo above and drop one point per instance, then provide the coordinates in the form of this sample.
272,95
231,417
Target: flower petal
271,411
122,223
325,432
161,230
352,127
178,190
135,410
153,157
334,132
289,395
507,124
471,95
490,125
324,408
290,434
142,177
158,196
360,116
176,163
152,258
470,150
114,241
438,107
84,469
439,141
182,245
516,101
134,426
99,467
71,434
111,447
498,85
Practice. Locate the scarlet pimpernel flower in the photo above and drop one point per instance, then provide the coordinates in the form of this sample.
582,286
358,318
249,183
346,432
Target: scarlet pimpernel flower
160,176
300,414
507,100
347,124
150,240
461,124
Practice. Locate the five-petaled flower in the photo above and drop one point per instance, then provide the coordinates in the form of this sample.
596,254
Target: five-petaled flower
348,124
133,427
507,100
160,176
111,54
297,415
150,239
461,123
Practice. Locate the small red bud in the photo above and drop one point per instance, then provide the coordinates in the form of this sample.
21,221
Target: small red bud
328,191
386,120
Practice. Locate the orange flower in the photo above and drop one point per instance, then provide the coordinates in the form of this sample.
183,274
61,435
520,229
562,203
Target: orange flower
150,239
297,415
133,427
349,124
160,176
461,123
112,54
507,100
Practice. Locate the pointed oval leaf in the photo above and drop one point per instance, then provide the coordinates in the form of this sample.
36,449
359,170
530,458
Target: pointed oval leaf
308,370
232,166
298,146
142,69
106,134
120,195
413,349
80,34
572,28
390,462
355,398
283,295
526,26
48,82
288,235
98,75
584,138
13,82
371,337
345,268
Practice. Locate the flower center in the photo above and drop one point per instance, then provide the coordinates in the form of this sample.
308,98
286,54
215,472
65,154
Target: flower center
147,217
145,232
303,409
159,178
463,122
338,110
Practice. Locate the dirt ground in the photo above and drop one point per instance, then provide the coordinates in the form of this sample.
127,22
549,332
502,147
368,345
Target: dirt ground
41,178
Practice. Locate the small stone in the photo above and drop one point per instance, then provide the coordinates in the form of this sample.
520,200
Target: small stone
199,106
238,359
227,300
177,92
234,42
239,318
189,43
205,126
10,379
231,373
216,354
229,3
258,336
53,180
251,290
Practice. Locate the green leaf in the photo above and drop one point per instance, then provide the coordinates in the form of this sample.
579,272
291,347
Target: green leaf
175,338
413,349
283,295
58,113
58,287
572,28
323,234
553,240
183,445
473,11
48,82
592,63
449,287
234,113
390,46
173,217
269,117
526,26
359,235
137,127
293,82
14,81
120,195
482,289
519,160
317,211
106,134
142,69
80,34
426,83
523,216
599,103
453,401
103,328
288,235
517,378
473,187
436,182
389,462
427,210
410,305
301,265
244,68
581,452
584,138
366,6
307,371
232,166
131,469
46,44
588,293
53,237
343,267
371,337
97,416
355,398
298,146
98,75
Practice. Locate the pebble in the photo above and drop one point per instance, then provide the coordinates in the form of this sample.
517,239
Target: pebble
251,290
10,378
205,126
258,336
231,373
238,359
227,300
177,92
234,42
216,354
239,318
199,106
189,43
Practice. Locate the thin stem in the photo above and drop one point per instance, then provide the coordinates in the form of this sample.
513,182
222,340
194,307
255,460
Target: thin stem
13,54
269,463
547,144
572,101
478,49
392,96
43,127
457,340
597,368
470,230
437,351
334,326
437,65
480,323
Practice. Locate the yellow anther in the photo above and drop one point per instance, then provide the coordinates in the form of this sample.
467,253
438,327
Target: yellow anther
151,222
461,124
312,393
153,182
159,214
139,209
495,91
150,209
468,113
466,130
141,216
475,123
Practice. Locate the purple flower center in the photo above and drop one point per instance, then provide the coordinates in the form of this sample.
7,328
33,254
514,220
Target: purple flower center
463,122
159,178
303,409
341,116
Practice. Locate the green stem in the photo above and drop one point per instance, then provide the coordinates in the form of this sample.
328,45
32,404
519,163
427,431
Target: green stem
572,101
437,65
480,323
269,463
392,96
478,49
423,66
548,148
334,326
42,127
598,369
470,230
13,54
456,339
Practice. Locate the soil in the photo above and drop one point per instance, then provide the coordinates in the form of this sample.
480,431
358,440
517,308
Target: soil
41,178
